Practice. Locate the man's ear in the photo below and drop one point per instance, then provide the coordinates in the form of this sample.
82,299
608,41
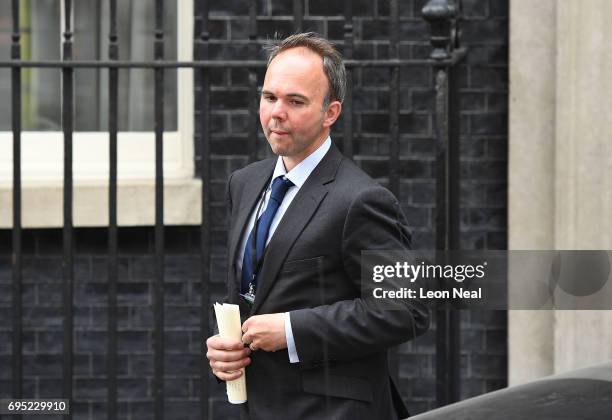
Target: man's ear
332,113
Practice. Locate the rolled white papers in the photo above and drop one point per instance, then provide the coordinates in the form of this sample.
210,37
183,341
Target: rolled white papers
228,320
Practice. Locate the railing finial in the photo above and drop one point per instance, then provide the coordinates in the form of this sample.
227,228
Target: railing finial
442,16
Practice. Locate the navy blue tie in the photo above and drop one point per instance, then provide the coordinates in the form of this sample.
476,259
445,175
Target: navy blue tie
280,185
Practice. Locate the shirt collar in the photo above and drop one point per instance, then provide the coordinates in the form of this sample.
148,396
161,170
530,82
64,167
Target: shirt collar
300,173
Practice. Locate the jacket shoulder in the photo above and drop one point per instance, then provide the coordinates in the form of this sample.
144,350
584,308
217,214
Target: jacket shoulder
258,168
354,182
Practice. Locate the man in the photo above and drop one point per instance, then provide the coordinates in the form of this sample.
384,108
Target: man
316,348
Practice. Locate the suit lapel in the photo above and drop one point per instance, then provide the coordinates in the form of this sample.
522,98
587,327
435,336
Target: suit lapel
295,219
251,192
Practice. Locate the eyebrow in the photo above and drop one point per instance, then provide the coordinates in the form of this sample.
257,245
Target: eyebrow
293,95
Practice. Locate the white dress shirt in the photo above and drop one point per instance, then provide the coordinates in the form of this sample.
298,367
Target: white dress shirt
298,175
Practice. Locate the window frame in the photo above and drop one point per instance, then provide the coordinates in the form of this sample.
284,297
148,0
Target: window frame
135,149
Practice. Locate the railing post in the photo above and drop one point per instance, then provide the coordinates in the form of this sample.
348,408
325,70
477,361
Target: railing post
442,16
205,225
253,102
17,374
113,93
67,263
158,289
347,113
297,16
394,148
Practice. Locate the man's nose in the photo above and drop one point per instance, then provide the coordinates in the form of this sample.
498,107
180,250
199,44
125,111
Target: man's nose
278,110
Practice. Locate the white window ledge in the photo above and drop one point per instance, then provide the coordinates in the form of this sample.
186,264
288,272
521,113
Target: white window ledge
42,203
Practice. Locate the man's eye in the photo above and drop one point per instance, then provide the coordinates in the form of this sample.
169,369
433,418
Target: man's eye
269,98
296,102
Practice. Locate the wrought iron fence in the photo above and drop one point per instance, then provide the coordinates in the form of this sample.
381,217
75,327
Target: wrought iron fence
444,17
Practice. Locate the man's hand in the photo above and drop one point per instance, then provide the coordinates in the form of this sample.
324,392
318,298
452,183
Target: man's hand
227,357
265,332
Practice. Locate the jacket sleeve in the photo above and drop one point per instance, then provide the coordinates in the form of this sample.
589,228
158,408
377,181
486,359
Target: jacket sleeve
228,292
351,329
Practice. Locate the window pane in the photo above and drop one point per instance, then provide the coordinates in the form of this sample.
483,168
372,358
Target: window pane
41,40
40,88
5,74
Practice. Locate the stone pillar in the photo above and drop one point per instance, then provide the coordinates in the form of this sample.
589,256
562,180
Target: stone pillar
531,203
560,178
583,166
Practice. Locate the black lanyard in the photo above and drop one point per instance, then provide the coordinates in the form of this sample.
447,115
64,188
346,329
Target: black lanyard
257,263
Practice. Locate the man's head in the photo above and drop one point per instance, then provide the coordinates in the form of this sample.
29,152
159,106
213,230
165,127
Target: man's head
302,95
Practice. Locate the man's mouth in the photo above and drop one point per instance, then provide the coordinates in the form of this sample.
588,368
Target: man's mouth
279,132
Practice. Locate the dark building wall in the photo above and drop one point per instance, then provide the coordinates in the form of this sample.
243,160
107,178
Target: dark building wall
484,84
483,81
42,320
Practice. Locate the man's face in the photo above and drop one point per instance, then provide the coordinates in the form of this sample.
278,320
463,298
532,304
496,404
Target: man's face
291,106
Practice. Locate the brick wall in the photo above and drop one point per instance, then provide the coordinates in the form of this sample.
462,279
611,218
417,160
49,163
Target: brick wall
484,85
42,320
483,80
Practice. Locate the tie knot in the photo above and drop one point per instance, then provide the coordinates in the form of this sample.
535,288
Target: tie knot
280,185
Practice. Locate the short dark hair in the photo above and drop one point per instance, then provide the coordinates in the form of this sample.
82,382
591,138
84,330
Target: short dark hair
333,66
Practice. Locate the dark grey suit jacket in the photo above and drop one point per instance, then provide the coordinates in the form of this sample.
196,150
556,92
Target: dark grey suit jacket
312,270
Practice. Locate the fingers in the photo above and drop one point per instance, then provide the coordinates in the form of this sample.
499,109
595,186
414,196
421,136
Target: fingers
253,342
228,356
250,340
228,376
251,328
246,324
218,352
247,338
265,332
218,343
227,367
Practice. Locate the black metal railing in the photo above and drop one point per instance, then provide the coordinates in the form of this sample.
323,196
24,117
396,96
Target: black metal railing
17,371
447,52
443,16
205,230
113,271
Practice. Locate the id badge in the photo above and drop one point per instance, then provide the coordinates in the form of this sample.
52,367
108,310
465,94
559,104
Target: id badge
250,295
